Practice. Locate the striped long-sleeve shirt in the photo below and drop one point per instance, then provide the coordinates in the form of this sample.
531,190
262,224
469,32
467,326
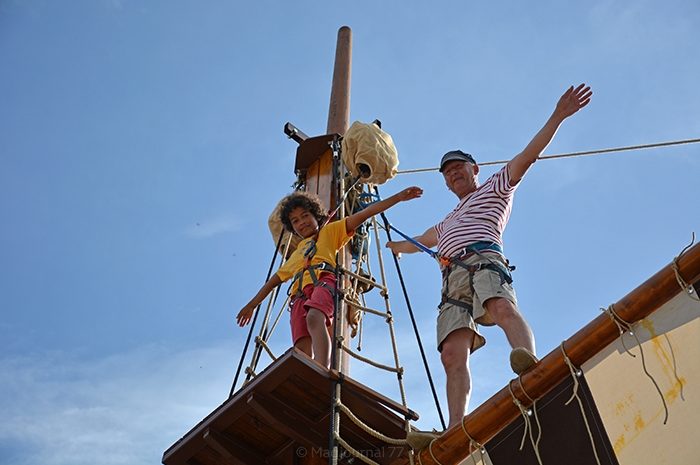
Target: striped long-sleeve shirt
480,216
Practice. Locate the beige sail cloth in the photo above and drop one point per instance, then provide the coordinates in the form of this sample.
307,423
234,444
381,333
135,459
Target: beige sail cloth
276,227
369,152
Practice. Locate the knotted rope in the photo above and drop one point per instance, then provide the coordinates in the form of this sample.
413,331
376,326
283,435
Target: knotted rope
525,413
623,327
574,375
473,444
687,288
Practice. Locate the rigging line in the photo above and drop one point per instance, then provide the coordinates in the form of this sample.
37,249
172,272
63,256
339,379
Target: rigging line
265,330
255,317
575,154
414,242
413,322
417,244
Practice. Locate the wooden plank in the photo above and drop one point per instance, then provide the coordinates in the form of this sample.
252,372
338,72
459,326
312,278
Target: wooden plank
233,453
319,179
275,408
362,391
288,421
228,412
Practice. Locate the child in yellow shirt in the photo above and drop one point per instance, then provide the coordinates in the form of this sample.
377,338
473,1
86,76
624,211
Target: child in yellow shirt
312,265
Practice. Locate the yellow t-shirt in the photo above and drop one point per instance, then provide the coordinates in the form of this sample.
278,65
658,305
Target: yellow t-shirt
332,237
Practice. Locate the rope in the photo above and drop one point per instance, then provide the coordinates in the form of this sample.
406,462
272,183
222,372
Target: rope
369,430
574,375
535,444
279,316
430,449
336,359
265,332
250,372
413,323
363,279
575,154
417,244
261,342
688,288
390,323
623,324
371,362
354,452
386,316
338,205
473,444
622,327
528,425
255,317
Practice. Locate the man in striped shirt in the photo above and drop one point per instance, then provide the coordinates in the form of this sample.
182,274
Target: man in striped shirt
476,277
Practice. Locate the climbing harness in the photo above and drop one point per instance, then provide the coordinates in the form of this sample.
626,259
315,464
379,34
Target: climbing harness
311,269
458,260
310,252
448,266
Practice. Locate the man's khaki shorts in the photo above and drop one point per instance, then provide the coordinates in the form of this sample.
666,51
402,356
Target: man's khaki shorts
487,285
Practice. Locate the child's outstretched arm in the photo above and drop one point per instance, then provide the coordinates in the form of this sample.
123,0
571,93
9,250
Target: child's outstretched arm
246,313
355,220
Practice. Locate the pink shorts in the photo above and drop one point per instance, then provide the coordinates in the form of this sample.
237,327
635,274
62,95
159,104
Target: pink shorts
318,297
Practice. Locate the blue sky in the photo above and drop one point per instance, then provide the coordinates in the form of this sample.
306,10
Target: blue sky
141,152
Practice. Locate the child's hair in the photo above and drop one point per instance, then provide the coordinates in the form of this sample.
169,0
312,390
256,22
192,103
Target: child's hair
300,199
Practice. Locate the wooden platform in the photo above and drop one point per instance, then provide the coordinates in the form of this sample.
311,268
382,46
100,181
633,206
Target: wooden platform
283,416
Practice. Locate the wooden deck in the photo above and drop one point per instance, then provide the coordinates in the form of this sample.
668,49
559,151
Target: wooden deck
282,417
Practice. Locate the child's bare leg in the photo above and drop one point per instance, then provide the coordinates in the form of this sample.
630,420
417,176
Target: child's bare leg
320,340
304,344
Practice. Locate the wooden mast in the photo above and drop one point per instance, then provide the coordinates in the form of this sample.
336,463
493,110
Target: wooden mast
339,109
320,174
494,414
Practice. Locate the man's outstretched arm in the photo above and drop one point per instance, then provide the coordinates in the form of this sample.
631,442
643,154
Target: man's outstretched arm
569,103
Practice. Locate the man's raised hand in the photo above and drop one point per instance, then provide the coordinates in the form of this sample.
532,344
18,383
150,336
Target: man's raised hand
573,100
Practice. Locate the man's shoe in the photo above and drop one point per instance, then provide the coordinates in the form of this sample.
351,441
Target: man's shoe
522,360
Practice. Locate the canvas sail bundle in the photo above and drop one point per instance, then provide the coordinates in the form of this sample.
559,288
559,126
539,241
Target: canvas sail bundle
276,228
370,153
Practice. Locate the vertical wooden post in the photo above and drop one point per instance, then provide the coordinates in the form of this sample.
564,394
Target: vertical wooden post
339,108
338,123
320,180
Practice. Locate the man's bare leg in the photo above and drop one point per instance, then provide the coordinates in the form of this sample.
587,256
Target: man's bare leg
506,315
455,359
508,318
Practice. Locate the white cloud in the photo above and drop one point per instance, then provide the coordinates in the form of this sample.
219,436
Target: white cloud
124,409
116,4
128,408
214,226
